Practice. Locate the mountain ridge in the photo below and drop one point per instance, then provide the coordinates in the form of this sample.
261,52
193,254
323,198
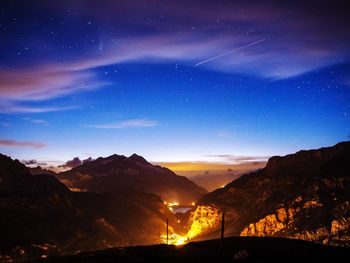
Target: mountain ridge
118,172
303,195
41,216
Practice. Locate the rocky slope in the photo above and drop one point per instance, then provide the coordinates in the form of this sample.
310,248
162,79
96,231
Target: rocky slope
305,195
40,215
119,173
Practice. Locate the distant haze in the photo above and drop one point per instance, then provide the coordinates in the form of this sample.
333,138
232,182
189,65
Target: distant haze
212,175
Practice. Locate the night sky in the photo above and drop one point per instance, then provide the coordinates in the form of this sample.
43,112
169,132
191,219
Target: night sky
172,80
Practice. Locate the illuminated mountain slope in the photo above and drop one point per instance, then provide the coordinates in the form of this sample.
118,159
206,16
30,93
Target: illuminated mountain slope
305,195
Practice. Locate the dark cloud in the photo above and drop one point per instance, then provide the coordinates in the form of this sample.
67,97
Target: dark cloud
33,162
29,162
75,162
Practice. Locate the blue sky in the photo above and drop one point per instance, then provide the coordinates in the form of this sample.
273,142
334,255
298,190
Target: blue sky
81,79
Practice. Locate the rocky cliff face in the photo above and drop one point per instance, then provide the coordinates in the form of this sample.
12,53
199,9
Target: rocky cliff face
284,222
304,195
119,173
203,219
267,226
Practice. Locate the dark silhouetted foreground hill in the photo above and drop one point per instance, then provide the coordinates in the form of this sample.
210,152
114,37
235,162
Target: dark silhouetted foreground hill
119,173
238,249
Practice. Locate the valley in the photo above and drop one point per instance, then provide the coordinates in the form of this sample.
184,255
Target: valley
300,196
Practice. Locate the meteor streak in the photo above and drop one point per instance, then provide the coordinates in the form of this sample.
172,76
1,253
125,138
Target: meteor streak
229,52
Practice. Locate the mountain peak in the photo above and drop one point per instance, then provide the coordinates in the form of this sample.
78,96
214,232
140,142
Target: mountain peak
306,158
139,159
120,173
11,167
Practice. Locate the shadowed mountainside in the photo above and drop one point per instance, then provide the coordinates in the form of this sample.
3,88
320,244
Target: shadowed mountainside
38,170
119,173
40,215
305,195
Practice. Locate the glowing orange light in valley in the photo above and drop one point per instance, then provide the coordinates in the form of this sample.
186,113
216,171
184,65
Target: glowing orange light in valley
175,239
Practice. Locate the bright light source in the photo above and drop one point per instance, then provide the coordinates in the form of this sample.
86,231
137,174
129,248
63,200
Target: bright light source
175,239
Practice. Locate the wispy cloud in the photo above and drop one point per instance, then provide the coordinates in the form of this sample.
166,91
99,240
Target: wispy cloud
237,158
36,121
5,124
188,36
196,35
224,134
39,121
264,60
133,123
28,144
18,87
41,83
18,108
